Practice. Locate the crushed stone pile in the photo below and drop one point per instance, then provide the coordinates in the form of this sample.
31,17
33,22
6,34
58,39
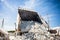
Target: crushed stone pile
36,32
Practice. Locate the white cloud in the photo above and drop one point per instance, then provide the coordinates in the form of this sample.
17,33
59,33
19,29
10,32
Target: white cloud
11,8
29,5
48,17
2,0
58,27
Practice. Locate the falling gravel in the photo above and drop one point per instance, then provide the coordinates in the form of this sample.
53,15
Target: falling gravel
36,32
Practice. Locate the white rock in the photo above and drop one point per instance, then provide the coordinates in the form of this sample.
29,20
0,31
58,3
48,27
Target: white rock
37,31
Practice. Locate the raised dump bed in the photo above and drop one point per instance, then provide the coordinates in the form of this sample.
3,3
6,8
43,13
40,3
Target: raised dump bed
25,17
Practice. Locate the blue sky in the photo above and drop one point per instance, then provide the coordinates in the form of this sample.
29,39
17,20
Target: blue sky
8,11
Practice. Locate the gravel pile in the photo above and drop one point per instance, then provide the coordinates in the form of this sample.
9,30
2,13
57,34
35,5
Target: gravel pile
37,32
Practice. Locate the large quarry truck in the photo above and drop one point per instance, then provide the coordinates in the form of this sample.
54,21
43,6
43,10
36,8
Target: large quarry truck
25,17
30,26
